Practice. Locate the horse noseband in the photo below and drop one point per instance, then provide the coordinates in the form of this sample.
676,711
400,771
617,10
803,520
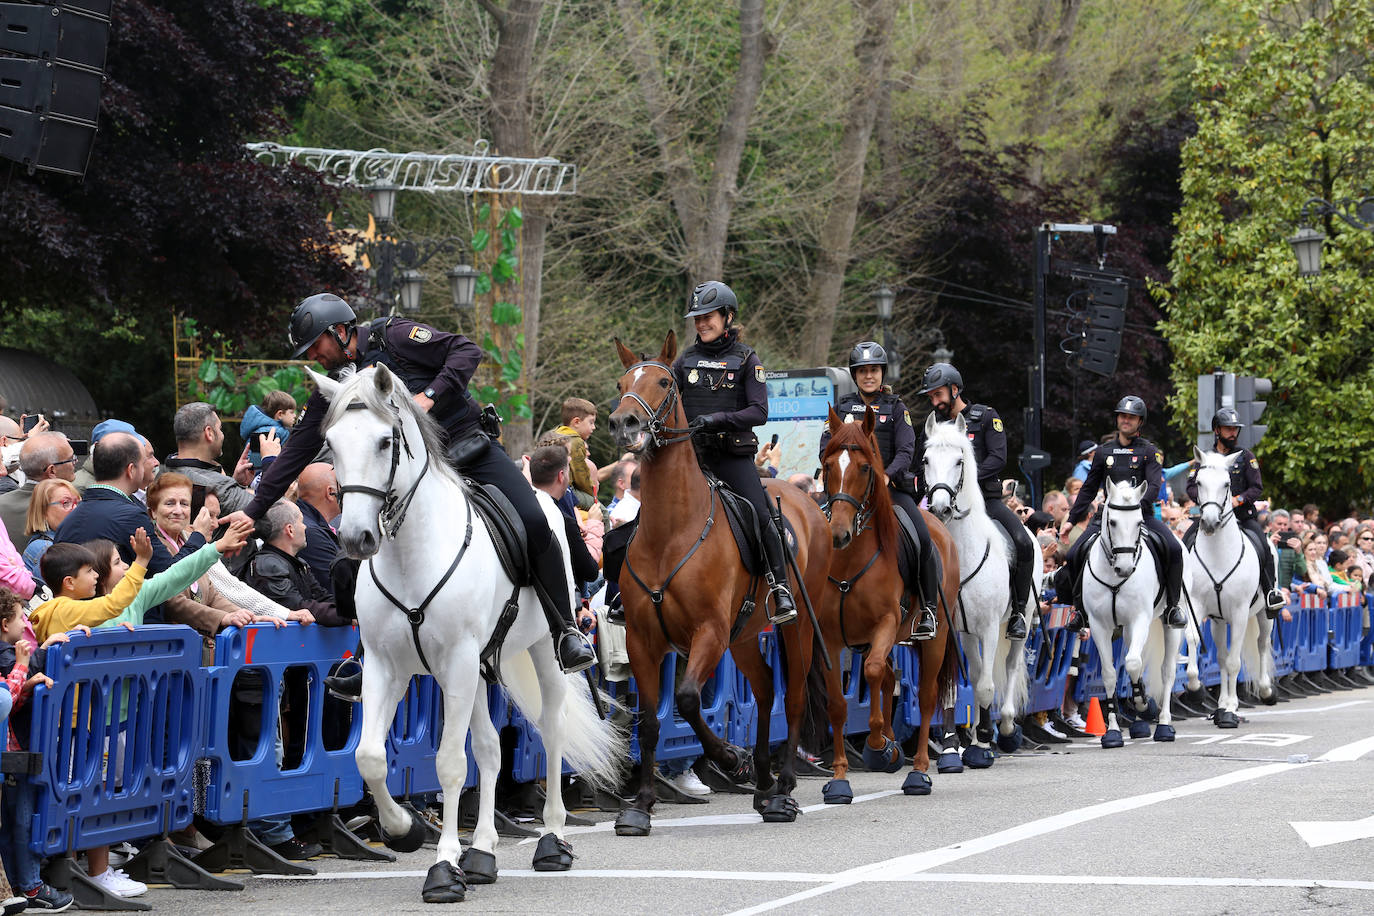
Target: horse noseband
660,434
393,510
953,492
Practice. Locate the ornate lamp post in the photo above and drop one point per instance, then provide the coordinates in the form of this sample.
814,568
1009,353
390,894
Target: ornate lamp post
1307,243
396,262
884,299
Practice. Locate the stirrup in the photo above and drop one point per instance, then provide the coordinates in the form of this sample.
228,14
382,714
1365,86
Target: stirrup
615,611
784,608
1274,601
346,687
1173,617
1078,621
1016,626
581,658
926,626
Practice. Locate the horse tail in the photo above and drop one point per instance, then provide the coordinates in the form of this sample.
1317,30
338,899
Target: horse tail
1258,665
595,748
947,681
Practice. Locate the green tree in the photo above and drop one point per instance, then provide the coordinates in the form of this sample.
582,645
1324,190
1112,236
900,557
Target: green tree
1283,116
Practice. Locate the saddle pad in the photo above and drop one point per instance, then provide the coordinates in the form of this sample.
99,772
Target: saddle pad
507,531
909,551
744,525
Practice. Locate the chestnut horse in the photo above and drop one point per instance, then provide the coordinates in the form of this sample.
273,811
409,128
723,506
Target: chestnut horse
862,606
684,583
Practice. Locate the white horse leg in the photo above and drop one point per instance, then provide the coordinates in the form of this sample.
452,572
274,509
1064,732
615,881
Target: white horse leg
553,689
486,750
382,691
1134,662
1229,637
1102,638
451,762
1265,678
1168,674
980,662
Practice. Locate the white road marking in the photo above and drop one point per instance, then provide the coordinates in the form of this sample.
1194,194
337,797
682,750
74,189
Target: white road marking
792,877
1329,833
1348,752
909,865
1306,710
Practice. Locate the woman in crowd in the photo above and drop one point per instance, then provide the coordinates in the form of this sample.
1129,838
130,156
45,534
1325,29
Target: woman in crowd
52,501
1315,577
1362,544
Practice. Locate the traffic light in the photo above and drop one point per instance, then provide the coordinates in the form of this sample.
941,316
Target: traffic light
1250,392
1106,321
52,63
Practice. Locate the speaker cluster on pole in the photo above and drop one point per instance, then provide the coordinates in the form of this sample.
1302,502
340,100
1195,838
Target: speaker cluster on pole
52,66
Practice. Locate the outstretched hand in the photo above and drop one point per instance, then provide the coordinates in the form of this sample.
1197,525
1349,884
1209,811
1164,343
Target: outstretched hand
143,547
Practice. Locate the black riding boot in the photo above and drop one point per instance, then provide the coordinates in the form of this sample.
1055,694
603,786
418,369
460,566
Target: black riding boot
930,584
347,687
1173,587
1273,598
551,585
784,608
1066,591
1021,589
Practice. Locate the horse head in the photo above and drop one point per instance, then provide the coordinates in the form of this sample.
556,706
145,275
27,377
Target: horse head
1213,488
949,469
649,405
855,482
374,430
1121,524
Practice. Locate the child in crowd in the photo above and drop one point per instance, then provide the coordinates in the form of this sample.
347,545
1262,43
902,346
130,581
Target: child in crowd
579,421
277,413
21,667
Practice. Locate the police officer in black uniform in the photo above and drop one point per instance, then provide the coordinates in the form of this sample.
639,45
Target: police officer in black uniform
1129,456
945,387
1246,487
725,397
435,367
897,443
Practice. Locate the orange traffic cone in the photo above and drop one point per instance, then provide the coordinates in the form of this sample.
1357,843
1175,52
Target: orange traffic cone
1095,724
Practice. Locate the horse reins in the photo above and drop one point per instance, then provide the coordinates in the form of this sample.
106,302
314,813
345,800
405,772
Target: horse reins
1227,513
660,434
1113,551
863,512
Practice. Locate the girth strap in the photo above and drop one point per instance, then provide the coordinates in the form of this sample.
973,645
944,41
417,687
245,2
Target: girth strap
845,587
416,615
656,594
1218,585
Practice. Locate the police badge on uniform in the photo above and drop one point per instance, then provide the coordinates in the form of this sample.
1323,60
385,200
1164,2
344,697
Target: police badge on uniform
1159,457
906,415
997,423
1254,464
758,373
692,377
1110,460
420,335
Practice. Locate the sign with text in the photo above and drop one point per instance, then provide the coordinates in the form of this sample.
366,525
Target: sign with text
798,402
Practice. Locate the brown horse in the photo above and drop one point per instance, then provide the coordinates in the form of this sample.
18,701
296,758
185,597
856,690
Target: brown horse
862,610
683,585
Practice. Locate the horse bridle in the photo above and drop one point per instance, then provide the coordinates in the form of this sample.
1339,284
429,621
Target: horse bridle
393,511
1227,510
953,493
1107,534
863,512
660,434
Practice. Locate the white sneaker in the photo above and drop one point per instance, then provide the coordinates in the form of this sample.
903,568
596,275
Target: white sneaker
1076,721
689,784
1050,730
116,882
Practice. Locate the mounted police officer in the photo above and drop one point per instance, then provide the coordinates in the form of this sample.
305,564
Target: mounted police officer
897,443
435,367
1129,456
945,387
724,396
1246,487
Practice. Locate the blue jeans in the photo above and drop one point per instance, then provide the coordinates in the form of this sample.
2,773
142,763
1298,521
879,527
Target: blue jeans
16,812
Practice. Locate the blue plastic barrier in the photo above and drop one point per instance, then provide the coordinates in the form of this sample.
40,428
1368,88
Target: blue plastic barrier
856,692
1049,654
1367,644
1284,640
257,787
77,726
676,740
413,740
742,720
1343,637
1312,638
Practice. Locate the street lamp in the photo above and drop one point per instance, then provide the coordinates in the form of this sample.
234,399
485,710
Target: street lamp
942,353
884,299
1307,244
395,262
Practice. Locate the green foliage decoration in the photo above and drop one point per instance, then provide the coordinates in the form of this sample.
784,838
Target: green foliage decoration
507,362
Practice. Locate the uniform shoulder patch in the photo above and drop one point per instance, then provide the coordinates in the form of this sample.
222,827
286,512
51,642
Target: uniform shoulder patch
1254,463
997,424
758,373
1159,457
906,415
420,334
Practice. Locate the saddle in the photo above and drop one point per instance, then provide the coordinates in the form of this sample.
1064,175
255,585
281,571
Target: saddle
507,531
908,551
744,525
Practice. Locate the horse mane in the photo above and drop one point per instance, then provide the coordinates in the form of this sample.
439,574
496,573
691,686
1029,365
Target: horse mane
947,435
884,519
362,387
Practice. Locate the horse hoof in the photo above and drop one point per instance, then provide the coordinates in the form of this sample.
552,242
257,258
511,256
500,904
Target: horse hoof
742,773
1112,739
1226,719
1010,744
479,865
552,854
837,792
444,884
949,762
977,758
916,784
887,760
411,840
1140,729
780,809
1151,711
1164,733
1272,699
632,822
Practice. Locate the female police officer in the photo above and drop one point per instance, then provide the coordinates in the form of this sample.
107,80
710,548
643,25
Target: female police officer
897,442
725,397
435,367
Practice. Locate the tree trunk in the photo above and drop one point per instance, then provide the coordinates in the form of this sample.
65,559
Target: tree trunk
703,211
1049,79
875,19
509,86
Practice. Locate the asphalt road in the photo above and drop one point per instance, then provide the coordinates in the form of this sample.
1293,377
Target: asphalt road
1200,826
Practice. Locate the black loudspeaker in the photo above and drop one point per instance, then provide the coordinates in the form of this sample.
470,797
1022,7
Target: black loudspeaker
52,66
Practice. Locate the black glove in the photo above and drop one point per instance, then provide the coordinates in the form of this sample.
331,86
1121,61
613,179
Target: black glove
704,423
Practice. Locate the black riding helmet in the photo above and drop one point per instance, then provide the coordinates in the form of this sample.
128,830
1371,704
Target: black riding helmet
1226,416
939,375
1132,405
712,296
315,315
868,353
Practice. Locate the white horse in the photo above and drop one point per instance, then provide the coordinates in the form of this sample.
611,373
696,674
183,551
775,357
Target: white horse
429,596
996,664
1122,587
1224,584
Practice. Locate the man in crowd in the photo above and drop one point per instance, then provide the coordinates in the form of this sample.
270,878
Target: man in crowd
317,495
550,472
200,442
10,434
620,480
43,456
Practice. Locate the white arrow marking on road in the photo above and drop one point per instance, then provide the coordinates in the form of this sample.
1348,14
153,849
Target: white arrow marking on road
1272,739
1306,710
1211,739
1349,752
1329,833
